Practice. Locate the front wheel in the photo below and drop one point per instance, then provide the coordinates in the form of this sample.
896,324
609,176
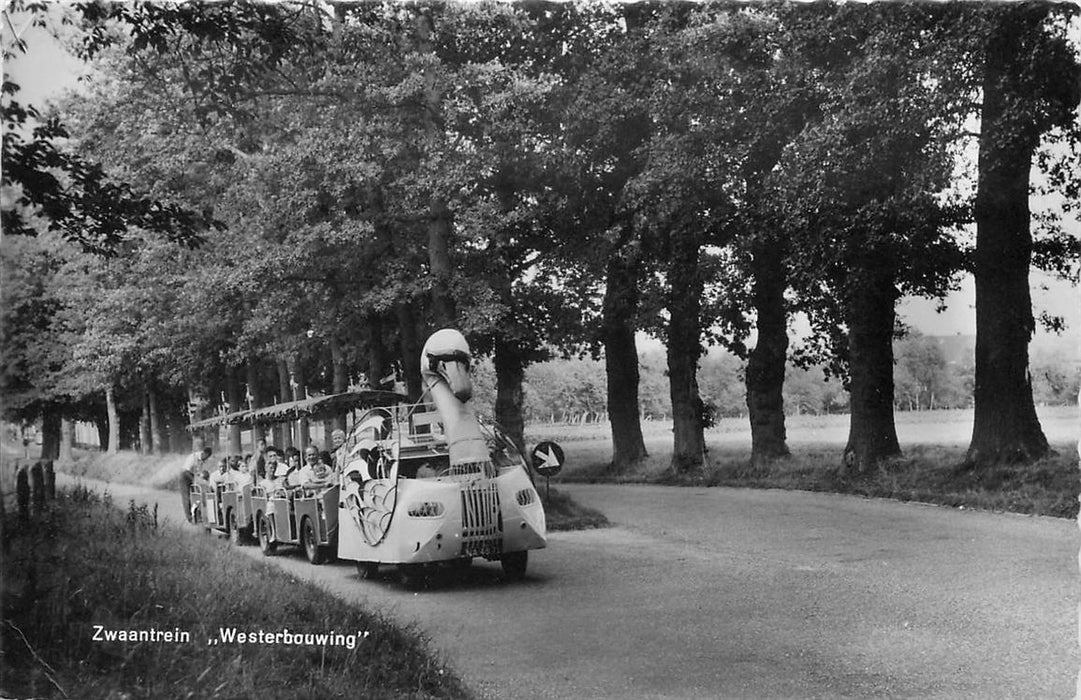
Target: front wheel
316,554
413,576
367,570
266,544
514,565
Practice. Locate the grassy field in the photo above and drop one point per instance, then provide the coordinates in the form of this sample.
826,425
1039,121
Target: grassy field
86,564
933,443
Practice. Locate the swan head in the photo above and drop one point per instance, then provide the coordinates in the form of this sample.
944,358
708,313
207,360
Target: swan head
447,355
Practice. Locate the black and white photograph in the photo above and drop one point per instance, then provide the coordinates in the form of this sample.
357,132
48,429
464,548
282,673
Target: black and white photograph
540,350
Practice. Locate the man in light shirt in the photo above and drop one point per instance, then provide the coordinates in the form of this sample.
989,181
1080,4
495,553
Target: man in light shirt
220,474
193,467
313,472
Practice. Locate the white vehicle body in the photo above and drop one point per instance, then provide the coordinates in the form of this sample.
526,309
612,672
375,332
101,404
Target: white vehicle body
402,502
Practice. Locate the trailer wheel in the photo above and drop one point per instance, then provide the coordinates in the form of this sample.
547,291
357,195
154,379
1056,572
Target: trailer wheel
265,543
316,554
235,535
514,565
367,570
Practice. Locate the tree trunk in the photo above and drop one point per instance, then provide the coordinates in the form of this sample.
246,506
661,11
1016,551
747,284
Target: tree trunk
872,435
180,440
339,370
196,412
379,366
509,375
114,421
340,382
439,265
157,438
300,391
67,440
684,350
255,398
439,216
232,398
512,342
619,312
144,426
766,363
410,349
50,432
1005,427
101,422
283,432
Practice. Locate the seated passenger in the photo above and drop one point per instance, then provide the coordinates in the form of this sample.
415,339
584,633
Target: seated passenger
220,474
275,471
314,472
239,474
337,440
257,461
292,467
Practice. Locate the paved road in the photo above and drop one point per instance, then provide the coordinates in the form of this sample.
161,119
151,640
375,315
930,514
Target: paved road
705,593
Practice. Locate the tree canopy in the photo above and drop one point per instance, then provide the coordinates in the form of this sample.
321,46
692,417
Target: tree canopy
322,184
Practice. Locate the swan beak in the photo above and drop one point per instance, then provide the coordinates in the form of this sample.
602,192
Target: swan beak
457,376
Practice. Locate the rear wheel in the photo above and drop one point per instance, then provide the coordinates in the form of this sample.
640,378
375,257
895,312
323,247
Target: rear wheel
266,544
235,535
367,570
514,565
316,554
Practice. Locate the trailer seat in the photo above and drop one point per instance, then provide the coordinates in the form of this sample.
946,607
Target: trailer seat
425,426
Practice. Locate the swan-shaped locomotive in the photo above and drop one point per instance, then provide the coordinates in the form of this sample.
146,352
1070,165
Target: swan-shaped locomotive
429,483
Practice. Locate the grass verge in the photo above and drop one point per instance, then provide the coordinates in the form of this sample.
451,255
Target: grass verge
564,513
84,563
926,473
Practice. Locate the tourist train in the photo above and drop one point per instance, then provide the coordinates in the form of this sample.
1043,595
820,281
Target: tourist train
414,485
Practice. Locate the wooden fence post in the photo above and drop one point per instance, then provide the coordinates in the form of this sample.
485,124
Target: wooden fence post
22,492
37,487
50,480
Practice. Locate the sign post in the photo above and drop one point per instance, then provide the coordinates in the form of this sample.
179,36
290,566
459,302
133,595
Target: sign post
547,461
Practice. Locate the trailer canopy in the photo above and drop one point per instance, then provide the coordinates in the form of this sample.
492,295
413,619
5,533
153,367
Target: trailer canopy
315,408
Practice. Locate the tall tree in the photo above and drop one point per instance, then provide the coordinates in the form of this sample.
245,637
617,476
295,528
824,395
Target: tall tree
1031,82
606,123
868,204
788,96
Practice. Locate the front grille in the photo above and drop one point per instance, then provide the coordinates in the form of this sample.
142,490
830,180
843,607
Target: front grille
482,527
